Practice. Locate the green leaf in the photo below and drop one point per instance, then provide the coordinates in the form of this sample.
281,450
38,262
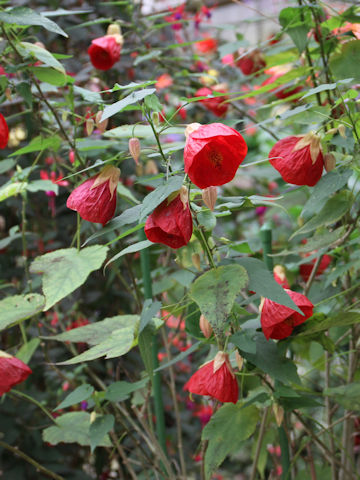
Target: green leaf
38,144
51,76
320,88
66,269
135,247
227,429
245,341
42,186
11,189
153,103
119,391
296,22
126,194
132,85
24,89
207,219
78,395
111,338
262,282
88,95
42,55
215,292
140,131
150,309
345,64
347,396
194,347
73,427
27,350
19,307
334,209
128,217
99,428
146,341
326,186
316,325
158,195
134,97
26,16
6,165
148,56
269,359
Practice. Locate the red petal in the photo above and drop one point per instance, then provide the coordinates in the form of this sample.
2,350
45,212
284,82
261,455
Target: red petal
4,132
104,52
12,372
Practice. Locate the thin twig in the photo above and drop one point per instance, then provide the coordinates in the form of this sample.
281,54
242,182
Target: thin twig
259,443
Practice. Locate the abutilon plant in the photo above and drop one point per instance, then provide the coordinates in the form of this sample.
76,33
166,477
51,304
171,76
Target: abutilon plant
12,372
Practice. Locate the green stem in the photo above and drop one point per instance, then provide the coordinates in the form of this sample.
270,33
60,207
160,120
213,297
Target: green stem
156,379
35,402
285,454
266,239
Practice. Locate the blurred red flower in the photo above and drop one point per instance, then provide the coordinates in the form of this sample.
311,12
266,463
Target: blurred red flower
208,45
4,132
306,268
216,105
213,154
12,372
299,160
95,199
278,321
215,379
252,62
165,80
104,52
170,223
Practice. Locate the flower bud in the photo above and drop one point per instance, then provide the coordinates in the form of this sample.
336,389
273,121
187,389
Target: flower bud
89,126
101,125
239,360
71,156
209,196
20,133
191,128
151,168
113,29
184,196
329,162
92,416
195,257
155,118
8,93
205,326
342,130
279,414
135,149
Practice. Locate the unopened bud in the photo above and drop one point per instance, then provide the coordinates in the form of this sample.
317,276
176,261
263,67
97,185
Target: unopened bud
279,414
191,128
209,196
155,118
139,170
135,149
329,162
71,156
151,168
92,416
8,93
342,130
205,327
115,31
332,131
195,257
64,115
101,125
262,301
184,196
4,354
239,360
89,126
20,133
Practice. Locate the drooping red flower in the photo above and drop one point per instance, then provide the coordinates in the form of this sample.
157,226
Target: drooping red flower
206,46
177,14
251,62
95,199
213,154
216,105
12,372
165,80
4,132
299,160
215,379
306,268
104,52
170,223
278,321
281,92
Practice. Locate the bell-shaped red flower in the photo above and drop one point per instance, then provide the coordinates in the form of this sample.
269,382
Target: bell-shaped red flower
306,268
282,92
12,372
278,321
170,223
212,154
251,62
299,160
104,52
206,46
95,199
215,105
215,379
4,132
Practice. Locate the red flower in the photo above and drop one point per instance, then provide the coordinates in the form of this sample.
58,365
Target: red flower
208,45
299,160
212,154
177,14
12,372
281,93
252,62
278,321
216,105
104,52
280,276
95,199
216,379
306,268
4,132
170,223
165,80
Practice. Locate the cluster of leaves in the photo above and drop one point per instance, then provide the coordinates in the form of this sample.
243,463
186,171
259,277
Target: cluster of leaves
93,310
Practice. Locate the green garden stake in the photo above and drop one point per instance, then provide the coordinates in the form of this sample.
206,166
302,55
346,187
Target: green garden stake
266,239
156,379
